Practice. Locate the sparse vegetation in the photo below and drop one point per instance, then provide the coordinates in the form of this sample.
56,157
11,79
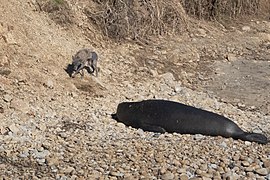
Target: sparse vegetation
137,20
216,9
141,20
58,10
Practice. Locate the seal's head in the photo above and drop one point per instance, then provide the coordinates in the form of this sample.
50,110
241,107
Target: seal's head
124,110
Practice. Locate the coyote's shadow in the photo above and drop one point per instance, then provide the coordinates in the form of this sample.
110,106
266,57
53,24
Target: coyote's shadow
70,69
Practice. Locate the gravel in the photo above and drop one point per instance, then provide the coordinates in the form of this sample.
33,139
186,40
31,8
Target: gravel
63,141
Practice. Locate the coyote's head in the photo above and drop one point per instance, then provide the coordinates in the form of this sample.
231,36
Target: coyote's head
77,64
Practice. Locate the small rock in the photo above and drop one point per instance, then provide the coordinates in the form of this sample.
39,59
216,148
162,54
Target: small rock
206,178
259,131
213,166
42,126
262,171
168,78
231,165
54,169
162,170
199,172
121,125
246,28
68,170
231,57
7,98
177,88
24,154
73,94
223,144
241,105
117,174
167,176
176,162
49,84
182,170
183,177
250,175
3,166
252,167
250,160
4,61
41,155
19,105
4,71
217,178
61,177
63,135
200,32
99,83
153,72
245,163
199,136
52,161
266,163
4,130
195,178
1,110
247,143
220,169
230,176
41,161
190,174
164,88
14,128
9,39
140,132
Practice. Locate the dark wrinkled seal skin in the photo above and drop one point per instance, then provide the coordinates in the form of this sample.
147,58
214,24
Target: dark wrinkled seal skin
168,116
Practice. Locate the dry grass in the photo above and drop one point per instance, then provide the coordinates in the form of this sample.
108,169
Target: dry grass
216,9
264,8
137,20
140,20
58,10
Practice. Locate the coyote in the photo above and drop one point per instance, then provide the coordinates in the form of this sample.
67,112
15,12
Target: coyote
84,59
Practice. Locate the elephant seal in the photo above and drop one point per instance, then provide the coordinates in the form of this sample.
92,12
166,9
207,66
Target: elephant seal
168,116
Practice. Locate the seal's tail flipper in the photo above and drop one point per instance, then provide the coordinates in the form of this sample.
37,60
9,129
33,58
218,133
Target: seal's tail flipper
254,137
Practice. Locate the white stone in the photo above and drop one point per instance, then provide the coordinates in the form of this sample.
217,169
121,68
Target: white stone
246,28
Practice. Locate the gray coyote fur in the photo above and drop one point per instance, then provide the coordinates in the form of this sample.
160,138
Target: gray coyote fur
84,59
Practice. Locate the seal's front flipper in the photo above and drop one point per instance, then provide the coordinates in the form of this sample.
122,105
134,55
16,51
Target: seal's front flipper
153,128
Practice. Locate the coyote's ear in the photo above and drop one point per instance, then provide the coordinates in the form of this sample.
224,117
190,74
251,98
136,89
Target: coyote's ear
73,57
